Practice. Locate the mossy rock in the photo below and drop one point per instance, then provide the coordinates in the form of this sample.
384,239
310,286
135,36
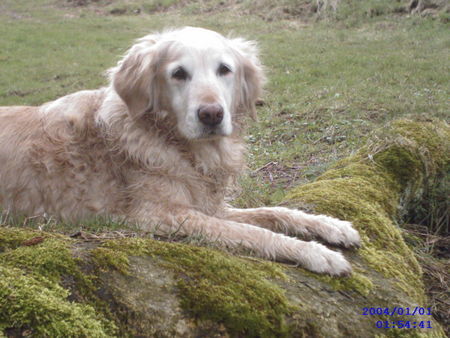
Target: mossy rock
55,286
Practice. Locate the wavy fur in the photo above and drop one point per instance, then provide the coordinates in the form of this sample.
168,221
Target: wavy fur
137,149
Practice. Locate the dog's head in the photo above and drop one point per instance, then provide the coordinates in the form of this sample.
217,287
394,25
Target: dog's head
204,79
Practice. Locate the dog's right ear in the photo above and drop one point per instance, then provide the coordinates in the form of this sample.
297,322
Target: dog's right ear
134,77
250,75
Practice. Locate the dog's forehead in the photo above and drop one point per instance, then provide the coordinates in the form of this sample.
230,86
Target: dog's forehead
199,39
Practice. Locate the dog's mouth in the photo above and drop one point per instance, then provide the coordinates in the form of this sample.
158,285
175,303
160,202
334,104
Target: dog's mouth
212,133
208,133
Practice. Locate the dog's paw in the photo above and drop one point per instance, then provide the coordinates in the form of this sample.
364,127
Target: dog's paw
318,258
335,231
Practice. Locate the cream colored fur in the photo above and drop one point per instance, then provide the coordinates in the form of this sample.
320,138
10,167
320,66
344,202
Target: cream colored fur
136,149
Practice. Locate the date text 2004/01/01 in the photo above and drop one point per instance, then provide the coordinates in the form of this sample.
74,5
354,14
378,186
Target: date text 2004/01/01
396,310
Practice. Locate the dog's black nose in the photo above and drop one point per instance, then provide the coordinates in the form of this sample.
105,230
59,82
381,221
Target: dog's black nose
210,114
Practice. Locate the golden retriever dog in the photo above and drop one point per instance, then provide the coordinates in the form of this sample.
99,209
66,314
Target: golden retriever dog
158,146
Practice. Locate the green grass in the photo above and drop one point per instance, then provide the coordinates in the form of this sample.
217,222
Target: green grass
331,82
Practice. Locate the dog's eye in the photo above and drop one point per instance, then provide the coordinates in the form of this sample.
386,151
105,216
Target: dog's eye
223,70
180,74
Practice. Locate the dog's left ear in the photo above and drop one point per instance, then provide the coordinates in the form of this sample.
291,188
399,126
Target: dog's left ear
135,77
250,75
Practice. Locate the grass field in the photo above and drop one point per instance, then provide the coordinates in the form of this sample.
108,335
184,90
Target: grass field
331,80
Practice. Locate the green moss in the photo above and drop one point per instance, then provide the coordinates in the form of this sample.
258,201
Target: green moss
38,303
404,166
31,292
106,258
371,187
214,285
430,137
49,259
12,238
357,282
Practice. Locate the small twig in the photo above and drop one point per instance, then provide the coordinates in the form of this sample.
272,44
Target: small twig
265,166
171,235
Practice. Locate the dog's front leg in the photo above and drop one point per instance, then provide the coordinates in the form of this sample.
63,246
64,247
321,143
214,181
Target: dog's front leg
263,242
298,223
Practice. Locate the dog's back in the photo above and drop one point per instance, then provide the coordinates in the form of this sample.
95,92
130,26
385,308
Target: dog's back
19,127
53,160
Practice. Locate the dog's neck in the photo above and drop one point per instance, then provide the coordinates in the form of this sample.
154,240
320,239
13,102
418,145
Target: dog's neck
154,140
